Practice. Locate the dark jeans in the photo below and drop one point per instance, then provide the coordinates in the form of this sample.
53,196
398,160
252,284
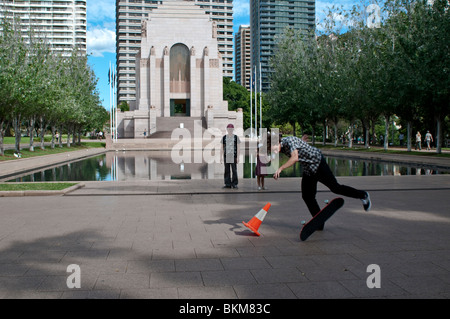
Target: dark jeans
230,176
326,177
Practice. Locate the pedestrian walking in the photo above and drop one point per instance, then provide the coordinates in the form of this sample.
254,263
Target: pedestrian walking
401,138
418,141
428,139
315,169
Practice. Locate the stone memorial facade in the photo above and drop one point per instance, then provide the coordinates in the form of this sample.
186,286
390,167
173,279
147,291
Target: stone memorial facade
178,75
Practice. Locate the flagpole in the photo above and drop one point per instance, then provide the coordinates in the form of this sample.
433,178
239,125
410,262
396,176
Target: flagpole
251,105
110,102
115,102
260,100
256,104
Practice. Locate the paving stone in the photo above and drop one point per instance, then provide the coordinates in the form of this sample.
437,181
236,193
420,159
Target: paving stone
132,242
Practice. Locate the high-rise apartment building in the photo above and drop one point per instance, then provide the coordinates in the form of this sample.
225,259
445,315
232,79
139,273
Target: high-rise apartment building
243,56
268,20
62,23
129,16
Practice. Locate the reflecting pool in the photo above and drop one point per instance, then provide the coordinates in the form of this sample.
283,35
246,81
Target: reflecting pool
159,165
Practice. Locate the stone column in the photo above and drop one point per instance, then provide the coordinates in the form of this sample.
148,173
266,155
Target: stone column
152,119
143,87
196,109
206,81
152,77
166,102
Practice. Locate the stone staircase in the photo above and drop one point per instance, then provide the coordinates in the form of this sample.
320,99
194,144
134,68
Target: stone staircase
165,125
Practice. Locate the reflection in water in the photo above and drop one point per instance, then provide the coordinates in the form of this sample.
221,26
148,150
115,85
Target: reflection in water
158,165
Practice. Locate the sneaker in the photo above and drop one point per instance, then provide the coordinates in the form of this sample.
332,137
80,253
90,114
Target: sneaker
226,186
259,188
235,187
366,202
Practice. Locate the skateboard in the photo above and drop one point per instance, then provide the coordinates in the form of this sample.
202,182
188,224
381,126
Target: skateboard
321,217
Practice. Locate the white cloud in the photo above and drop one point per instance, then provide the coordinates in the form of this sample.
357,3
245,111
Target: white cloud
100,40
101,36
323,8
101,10
241,8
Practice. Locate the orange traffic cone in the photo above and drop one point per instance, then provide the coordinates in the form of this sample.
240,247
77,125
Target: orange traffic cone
256,221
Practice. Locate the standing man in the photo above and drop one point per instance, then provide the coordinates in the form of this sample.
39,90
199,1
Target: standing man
315,169
230,154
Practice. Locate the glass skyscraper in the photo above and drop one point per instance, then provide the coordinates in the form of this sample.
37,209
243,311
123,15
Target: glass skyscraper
62,23
242,54
269,19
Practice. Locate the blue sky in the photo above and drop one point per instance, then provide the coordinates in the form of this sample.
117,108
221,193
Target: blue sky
101,34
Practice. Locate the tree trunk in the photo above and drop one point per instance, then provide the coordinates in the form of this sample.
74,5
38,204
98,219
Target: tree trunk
408,136
60,137
335,133
372,135
74,130
313,140
386,132
438,134
53,128
31,133
2,134
366,137
68,136
17,132
350,135
42,132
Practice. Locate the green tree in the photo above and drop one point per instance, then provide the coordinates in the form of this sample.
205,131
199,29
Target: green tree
420,61
288,96
238,98
39,86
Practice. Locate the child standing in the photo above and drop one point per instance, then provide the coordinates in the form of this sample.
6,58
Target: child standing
261,169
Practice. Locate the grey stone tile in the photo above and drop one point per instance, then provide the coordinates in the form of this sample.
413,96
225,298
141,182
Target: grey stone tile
175,279
320,290
227,277
264,291
206,293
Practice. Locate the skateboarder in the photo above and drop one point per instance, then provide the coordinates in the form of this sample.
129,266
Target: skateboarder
315,169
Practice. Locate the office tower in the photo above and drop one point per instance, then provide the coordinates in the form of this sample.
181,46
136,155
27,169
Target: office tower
243,56
129,16
268,20
62,23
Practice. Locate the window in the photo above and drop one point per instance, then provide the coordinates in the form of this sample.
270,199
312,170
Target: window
180,68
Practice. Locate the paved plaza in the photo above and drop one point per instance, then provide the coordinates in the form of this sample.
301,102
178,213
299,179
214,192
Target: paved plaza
185,239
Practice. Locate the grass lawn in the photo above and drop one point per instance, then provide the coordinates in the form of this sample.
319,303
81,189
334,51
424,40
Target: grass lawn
9,154
380,150
35,186
26,139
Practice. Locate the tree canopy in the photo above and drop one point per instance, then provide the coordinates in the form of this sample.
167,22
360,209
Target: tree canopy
40,89
394,66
